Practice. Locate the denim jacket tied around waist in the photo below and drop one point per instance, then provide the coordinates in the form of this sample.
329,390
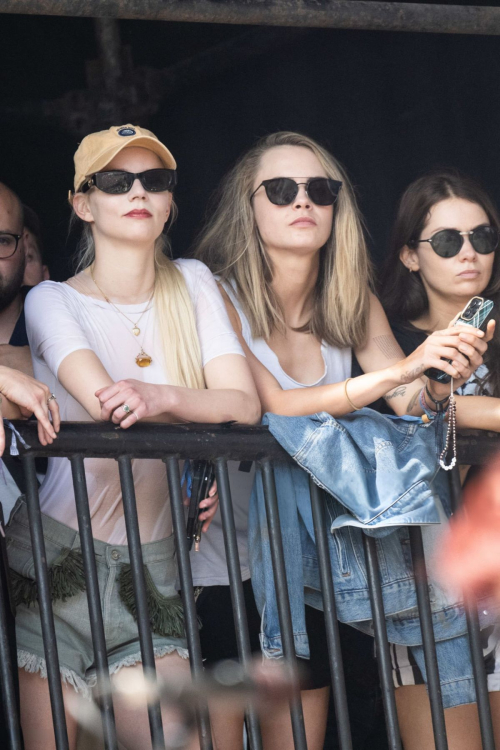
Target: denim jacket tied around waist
380,474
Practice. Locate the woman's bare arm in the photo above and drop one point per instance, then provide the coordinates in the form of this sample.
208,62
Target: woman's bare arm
388,372
478,413
230,393
230,396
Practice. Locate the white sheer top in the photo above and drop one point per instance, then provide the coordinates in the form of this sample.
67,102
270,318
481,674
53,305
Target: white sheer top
61,320
209,564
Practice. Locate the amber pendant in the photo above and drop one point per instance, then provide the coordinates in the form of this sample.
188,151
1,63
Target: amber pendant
143,359
136,331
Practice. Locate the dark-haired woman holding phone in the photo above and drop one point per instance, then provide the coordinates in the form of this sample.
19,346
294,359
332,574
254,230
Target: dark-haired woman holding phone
445,251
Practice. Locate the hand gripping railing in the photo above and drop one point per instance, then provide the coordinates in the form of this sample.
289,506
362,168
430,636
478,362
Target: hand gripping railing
218,443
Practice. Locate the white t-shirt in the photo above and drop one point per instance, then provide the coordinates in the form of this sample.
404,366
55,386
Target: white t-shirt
61,320
209,564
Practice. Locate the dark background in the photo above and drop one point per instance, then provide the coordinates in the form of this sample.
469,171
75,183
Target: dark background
388,106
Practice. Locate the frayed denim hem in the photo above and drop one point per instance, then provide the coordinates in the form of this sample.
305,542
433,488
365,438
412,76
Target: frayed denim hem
159,651
36,664
83,686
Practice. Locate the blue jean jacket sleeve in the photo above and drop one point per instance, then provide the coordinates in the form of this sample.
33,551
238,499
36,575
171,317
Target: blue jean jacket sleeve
292,486
379,468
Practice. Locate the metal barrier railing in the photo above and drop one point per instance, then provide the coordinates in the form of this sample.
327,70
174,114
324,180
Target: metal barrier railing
218,443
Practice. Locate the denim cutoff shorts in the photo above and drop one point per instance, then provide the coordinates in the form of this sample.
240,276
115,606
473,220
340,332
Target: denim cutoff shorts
71,615
455,666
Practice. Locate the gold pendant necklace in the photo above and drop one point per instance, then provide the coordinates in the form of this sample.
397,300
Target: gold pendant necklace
142,359
135,330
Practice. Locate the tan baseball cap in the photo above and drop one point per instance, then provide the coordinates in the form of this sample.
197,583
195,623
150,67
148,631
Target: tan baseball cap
98,149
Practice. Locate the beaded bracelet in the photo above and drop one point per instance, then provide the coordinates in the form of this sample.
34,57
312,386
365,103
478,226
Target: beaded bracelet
451,433
429,414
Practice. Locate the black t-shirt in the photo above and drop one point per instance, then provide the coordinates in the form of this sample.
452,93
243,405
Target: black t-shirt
19,336
408,338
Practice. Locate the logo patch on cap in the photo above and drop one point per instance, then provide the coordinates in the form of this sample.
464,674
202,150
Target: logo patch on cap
126,131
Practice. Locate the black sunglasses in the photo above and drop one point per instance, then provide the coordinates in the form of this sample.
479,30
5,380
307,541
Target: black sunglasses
8,244
283,190
117,182
448,242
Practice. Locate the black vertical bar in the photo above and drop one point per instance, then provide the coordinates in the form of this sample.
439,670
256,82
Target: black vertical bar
428,640
477,658
186,581
331,620
45,604
139,585
236,587
383,656
8,660
480,678
94,603
281,588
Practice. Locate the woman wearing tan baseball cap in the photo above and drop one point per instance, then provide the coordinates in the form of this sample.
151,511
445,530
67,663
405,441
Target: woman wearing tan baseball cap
133,335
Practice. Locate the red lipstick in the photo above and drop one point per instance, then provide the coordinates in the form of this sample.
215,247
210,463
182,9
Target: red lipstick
139,213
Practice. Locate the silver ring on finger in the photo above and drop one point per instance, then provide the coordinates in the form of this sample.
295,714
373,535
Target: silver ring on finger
132,413
52,397
126,408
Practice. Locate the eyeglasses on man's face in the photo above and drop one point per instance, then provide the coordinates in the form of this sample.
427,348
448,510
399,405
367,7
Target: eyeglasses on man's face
8,244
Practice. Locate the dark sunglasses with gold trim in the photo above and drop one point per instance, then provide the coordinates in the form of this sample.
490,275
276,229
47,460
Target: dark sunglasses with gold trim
117,182
448,242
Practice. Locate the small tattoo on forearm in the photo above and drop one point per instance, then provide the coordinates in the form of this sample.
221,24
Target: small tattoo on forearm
388,346
410,375
412,402
396,393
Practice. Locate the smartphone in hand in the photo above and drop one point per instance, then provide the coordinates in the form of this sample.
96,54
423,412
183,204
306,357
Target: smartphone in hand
203,478
477,313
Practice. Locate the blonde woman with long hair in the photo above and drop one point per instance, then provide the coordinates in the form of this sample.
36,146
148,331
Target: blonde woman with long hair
132,336
286,243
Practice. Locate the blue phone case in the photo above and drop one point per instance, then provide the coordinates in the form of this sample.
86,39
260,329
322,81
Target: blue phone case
479,320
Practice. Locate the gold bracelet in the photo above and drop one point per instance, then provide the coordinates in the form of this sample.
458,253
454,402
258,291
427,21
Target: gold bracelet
356,408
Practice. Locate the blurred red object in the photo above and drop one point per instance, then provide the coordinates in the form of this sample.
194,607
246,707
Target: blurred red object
469,557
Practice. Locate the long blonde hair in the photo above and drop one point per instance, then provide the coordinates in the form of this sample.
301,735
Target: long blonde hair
174,310
231,247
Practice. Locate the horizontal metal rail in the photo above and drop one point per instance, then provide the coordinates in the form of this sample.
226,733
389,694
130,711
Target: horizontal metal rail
339,14
105,440
233,442
220,443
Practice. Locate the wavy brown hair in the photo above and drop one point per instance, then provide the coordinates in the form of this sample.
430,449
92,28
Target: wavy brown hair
403,294
232,248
